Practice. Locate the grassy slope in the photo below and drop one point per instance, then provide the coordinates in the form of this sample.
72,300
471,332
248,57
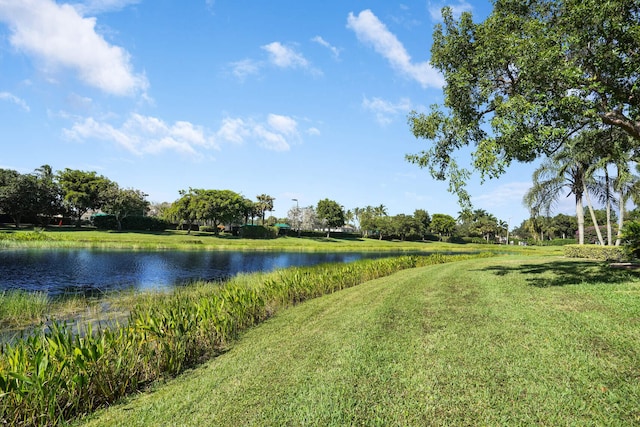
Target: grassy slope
480,342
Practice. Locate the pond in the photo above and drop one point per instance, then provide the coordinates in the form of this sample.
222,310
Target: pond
90,272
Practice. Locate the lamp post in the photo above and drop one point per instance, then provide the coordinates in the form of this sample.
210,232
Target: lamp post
297,214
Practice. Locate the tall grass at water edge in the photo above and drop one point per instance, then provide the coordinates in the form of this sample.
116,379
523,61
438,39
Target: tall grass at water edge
18,307
49,377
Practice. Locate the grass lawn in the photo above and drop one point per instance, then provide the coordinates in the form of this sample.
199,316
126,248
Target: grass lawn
496,341
87,238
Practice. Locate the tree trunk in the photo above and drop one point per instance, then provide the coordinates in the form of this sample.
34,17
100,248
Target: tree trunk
580,218
608,207
593,216
620,221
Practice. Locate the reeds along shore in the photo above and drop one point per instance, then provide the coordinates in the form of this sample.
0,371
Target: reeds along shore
52,376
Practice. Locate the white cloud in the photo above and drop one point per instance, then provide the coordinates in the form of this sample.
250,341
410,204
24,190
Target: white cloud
90,7
234,130
244,68
313,131
370,30
509,194
270,140
435,9
386,111
150,135
323,42
146,135
285,57
6,96
277,133
60,37
283,124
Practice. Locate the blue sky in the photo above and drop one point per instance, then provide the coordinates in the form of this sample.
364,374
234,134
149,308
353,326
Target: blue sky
295,99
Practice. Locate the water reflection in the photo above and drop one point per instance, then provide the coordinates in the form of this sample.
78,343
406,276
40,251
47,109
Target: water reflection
88,272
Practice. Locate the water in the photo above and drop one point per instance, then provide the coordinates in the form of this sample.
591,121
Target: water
91,272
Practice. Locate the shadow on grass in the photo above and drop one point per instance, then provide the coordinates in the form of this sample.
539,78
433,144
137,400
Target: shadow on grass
563,273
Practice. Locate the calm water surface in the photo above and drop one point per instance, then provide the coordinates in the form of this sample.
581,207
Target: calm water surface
86,271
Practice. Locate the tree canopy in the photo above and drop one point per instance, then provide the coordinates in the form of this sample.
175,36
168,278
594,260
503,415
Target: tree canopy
330,213
83,190
521,83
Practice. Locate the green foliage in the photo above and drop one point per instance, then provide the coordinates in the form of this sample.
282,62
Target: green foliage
595,252
144,223
18,307
137,223
83,190
555,242
443,224
631,237
258,232
123,202
521,82
29,236
105,222
330,213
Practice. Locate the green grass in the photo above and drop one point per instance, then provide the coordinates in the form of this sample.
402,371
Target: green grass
20,307
87,238
493,341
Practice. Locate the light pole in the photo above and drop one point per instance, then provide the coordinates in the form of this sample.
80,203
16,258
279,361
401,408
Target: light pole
297,215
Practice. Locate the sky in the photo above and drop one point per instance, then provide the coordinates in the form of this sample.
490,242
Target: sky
301,100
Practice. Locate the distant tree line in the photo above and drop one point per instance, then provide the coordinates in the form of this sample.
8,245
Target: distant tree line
43,196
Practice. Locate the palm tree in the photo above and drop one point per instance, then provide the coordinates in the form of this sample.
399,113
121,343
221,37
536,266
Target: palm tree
556,175
265,203
380,211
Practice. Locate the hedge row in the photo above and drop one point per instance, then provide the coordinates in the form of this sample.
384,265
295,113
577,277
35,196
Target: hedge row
140,223
596,252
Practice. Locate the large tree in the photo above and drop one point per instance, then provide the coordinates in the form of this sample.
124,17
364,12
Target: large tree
83,191
330,213
219,207
443,224
423,221
17,194
124,202
521,83
48,195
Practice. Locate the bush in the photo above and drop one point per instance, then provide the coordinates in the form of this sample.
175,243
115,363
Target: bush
258,232
105,222
207,229
596,252
137,223
631,236
144,223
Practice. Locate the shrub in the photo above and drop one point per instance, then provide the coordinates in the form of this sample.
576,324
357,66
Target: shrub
631,236
596,252
258,232
105,222
144,223
207,229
